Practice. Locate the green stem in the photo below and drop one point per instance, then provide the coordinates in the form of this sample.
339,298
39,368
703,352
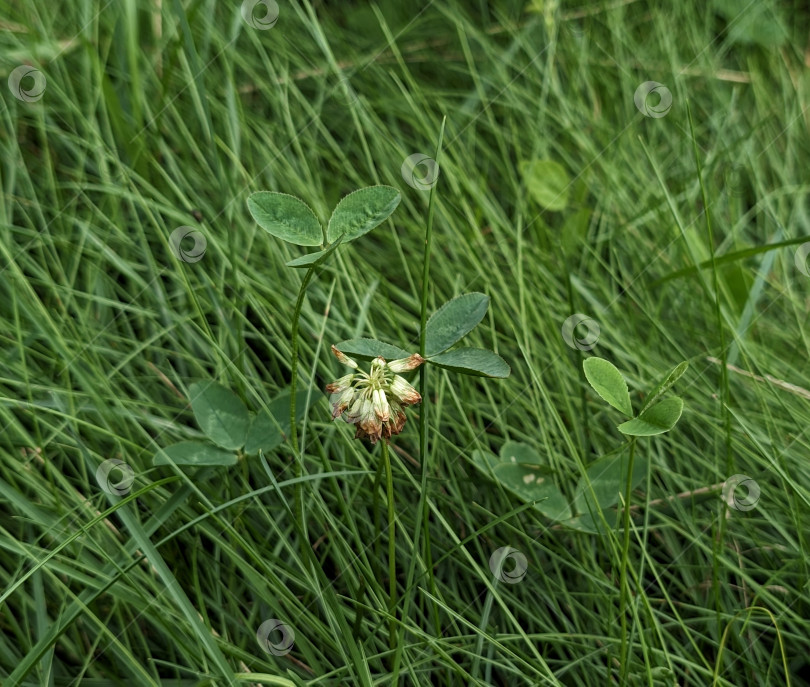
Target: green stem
423,389
299,501
375,503
723,355
422,521
392,566
623,584
239,307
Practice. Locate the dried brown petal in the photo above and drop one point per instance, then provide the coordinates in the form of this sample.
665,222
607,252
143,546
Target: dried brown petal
343,358
406,364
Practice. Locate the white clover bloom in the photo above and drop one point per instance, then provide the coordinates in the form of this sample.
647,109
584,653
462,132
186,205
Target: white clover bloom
340,385
342,357
404,392
381,407
374,401
341,394
341,401
406,364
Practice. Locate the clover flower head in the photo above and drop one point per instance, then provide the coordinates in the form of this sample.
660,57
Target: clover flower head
374,400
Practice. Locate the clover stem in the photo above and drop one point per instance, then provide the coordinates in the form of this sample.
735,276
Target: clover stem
623,584
392,566
423,389
422,521
299,502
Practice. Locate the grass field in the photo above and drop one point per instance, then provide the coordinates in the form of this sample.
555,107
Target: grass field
678,224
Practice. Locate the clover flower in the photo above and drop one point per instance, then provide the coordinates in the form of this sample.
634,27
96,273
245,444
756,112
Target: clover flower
374,401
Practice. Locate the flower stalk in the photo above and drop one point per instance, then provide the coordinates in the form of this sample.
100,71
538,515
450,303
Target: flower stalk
299,468
374,401
392,565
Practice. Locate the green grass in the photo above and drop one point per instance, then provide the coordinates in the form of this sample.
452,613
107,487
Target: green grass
163,114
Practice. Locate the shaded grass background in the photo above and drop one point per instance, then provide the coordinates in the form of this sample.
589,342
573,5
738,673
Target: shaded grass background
163,114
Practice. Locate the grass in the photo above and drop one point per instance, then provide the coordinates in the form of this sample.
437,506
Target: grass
165,114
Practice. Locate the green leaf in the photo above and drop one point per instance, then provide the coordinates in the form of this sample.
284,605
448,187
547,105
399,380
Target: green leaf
752,22
661,418
518,452
521,471
532,483
473,361
269,428
312,259
366,349
309,259
547,182
608,478
286,217
608,382
194,453
575,229
361,211
673,376
455,319
220,414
